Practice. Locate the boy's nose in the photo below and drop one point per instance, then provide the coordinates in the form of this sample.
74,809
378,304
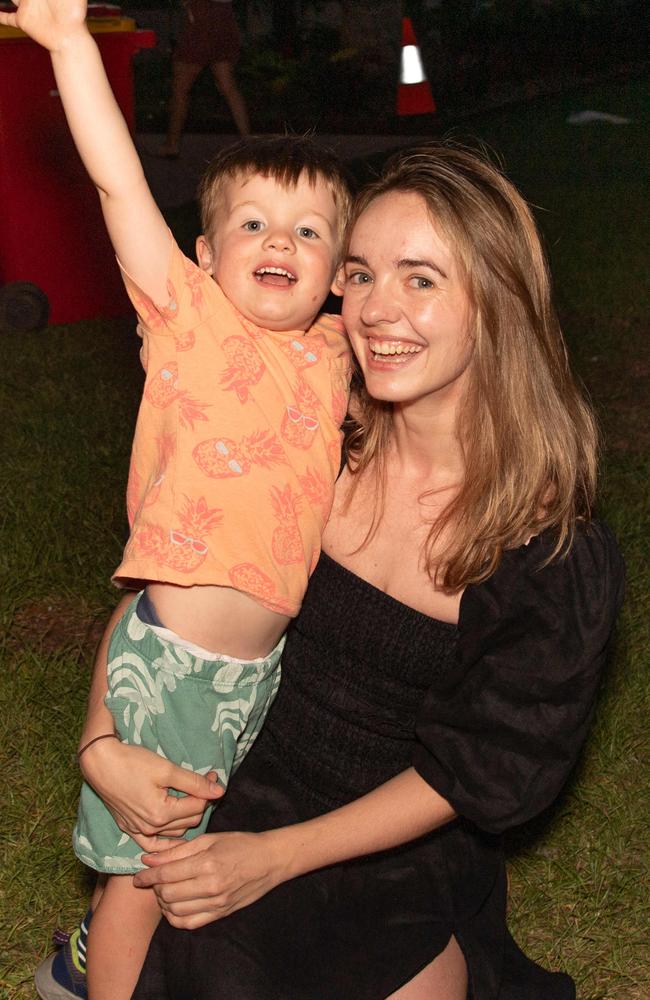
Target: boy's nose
279,239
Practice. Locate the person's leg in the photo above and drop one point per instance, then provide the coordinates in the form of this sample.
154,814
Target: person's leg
98,891
122,927
443,979
183,78
224,78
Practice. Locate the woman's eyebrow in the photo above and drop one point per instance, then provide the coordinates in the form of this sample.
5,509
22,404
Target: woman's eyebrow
407,262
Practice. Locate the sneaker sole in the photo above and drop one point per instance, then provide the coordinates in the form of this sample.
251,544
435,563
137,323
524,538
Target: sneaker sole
47,986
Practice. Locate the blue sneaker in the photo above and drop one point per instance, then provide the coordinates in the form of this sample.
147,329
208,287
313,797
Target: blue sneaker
62,975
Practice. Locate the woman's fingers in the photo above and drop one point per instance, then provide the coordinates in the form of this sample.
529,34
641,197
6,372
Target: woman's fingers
141,826
192,921
157,844
194,785
180,863
134,784
211,876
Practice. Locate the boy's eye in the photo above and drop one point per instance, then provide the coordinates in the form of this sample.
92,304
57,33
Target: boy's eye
253,226
307,233
359,278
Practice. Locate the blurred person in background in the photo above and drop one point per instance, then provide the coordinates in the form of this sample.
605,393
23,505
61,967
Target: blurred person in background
209,37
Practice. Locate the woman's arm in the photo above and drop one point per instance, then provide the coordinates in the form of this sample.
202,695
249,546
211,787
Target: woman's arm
402,809
133,782
98,718
210,877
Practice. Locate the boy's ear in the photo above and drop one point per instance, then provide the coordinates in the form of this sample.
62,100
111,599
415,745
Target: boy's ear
204,254
338,284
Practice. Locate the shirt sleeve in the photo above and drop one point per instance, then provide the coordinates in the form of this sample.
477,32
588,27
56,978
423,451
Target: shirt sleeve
329,326
187,302
499,735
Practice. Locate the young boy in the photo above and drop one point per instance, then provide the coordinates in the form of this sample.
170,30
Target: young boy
236,450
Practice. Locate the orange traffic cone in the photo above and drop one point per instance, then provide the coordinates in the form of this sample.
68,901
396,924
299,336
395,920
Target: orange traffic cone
413,93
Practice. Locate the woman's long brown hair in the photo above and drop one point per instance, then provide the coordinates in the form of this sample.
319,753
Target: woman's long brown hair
528,436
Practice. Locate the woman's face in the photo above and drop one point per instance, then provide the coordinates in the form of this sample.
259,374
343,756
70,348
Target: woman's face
405,306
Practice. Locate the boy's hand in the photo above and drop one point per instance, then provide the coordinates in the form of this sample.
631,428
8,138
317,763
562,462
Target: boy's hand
48,22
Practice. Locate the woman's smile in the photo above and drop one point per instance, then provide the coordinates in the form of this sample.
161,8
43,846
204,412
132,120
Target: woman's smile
391,352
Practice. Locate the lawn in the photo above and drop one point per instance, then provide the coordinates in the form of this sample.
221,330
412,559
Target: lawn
68,395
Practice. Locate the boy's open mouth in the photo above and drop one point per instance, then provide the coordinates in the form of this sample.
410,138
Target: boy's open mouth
277,276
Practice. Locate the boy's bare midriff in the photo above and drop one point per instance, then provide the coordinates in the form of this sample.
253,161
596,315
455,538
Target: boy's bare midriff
220,619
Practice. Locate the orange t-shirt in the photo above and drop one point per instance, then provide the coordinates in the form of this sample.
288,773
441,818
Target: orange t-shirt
237,444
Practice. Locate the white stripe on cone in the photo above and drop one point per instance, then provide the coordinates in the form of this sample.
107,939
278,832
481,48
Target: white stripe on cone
412,70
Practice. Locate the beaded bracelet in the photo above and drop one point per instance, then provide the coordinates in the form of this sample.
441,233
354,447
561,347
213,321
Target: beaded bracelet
104,736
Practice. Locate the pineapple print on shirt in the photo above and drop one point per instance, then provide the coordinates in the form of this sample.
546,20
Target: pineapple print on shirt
245,366
223,458
300,421
163,390
185,546
286,542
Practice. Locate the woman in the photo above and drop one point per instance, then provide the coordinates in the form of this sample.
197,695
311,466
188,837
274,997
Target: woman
440,678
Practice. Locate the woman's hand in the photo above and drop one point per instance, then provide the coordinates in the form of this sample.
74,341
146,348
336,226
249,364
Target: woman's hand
217,873
134,784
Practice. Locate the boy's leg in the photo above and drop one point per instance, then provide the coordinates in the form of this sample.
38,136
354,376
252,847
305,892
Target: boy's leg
118,939
98,891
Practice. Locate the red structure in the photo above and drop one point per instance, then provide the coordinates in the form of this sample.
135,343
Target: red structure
51,228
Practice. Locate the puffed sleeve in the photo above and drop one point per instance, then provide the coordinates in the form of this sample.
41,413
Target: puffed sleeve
499,734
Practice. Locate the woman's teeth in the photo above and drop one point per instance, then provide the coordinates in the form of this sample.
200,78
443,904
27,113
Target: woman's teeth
395,351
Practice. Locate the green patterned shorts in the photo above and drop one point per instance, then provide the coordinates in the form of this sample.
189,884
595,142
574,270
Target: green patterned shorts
203,714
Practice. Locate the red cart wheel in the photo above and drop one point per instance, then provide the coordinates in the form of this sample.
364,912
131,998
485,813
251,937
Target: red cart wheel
23,307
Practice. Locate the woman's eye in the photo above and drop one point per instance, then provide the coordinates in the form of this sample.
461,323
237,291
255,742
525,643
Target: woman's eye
307,233
253,226
419,282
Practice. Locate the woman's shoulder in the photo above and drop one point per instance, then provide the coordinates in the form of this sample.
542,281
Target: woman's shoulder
593,542
588,572
534,595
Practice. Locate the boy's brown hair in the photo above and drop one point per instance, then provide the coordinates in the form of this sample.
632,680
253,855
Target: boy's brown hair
285,158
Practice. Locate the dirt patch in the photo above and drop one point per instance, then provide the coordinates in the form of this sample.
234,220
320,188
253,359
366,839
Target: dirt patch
54,623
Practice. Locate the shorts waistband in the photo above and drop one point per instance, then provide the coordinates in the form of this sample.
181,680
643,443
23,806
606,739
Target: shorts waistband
145,611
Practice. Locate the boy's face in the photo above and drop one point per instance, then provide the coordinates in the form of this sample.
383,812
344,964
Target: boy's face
274,249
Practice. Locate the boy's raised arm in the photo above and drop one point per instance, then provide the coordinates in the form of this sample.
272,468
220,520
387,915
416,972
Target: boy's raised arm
135,224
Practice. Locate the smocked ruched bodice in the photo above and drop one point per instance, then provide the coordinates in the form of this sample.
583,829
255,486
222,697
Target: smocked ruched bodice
360,666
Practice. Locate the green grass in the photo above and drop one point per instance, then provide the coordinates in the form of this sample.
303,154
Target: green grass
68,398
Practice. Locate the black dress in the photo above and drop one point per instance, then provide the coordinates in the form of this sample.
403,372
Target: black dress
491,713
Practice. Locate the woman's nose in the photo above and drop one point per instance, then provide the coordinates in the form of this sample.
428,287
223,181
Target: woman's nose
379,305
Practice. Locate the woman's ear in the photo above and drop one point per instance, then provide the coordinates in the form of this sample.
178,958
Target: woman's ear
204,254
338,284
